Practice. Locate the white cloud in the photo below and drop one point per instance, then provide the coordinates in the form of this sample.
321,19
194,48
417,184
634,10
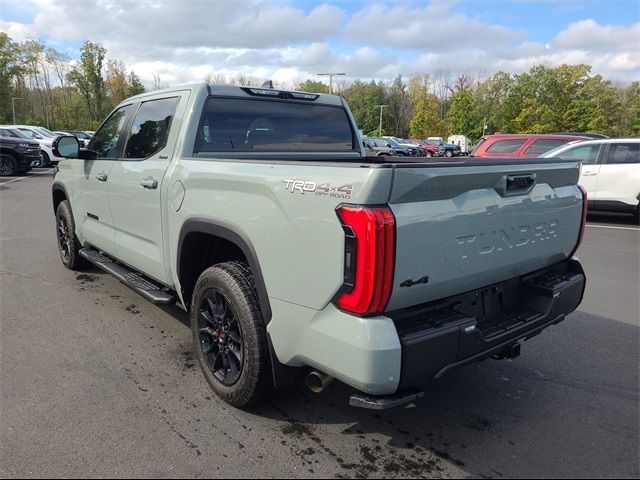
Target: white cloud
433,28
185,41
589,35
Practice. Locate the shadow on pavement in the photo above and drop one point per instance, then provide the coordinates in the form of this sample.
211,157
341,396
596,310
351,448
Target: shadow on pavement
537,414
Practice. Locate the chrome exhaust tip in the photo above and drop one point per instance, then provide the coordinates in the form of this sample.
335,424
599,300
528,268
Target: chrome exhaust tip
318,381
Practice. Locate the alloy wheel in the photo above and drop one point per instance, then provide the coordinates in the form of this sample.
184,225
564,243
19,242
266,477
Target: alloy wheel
220,337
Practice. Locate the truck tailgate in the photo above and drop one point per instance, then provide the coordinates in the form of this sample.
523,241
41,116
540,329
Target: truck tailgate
461,227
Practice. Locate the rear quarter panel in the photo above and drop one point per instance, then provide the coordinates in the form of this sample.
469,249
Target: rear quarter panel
295,233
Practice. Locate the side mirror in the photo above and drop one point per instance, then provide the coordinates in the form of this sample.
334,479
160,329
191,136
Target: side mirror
66,146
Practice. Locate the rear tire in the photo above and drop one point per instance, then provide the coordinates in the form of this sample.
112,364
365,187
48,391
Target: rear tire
68,245
449,153
8,165
230,336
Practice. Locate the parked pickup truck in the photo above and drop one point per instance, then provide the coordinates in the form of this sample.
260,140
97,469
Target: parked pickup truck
296,255
17,153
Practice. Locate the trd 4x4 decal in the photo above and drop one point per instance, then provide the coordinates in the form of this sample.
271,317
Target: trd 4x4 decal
321,189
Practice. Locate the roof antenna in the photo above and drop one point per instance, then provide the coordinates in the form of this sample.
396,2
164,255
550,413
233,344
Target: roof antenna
267,84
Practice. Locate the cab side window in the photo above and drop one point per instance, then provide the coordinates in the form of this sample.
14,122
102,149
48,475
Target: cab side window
150,128
105,141
624,153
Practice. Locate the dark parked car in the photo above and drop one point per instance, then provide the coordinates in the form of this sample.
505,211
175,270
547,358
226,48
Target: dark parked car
377,149
403,147
447,149
17,154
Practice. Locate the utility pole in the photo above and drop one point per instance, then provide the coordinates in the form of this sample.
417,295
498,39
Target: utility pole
13,107
330,75
484,126
380,128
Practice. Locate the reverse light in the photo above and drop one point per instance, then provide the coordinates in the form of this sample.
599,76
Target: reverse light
369,258
583,224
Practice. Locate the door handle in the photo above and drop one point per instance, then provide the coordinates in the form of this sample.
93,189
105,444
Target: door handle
101,177
149,183
589,174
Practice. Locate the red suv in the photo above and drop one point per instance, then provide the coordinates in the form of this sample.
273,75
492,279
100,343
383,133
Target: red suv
520,145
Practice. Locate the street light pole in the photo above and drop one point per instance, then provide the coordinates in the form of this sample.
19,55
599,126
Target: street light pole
13,107
380,128
331,75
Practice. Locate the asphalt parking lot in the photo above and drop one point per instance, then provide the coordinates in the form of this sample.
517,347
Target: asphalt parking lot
95,381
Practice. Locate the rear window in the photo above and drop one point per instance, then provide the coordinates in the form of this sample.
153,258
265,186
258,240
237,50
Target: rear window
506,146
252,125
624,153
541,146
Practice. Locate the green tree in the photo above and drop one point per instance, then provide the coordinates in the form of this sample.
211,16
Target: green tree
312,86
462,118
87,77
426,121
135,86
10,67
363,99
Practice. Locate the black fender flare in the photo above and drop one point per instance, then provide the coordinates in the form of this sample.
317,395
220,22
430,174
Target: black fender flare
233,235
58,187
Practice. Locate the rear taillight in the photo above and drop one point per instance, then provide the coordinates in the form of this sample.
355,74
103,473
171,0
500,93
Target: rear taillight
583,224
370,237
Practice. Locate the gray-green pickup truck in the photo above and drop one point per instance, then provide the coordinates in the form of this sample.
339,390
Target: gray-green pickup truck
298,256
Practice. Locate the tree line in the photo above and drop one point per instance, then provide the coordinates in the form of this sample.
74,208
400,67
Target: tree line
49,89
42,86
545,99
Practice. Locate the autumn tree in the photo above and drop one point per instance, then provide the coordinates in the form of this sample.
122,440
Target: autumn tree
426,120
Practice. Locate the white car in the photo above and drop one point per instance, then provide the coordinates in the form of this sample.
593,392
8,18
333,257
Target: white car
44,137
610,172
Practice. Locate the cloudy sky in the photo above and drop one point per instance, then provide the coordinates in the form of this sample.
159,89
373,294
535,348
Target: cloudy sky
289,41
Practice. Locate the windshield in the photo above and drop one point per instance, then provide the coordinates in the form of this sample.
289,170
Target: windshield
482,140
555,151
13,132
45,132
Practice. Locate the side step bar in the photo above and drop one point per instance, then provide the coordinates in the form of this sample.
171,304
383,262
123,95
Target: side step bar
132,279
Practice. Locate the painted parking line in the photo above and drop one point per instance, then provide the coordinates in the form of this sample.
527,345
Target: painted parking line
28,176
613,228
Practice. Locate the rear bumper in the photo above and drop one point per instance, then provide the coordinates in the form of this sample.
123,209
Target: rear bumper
405,349
447,334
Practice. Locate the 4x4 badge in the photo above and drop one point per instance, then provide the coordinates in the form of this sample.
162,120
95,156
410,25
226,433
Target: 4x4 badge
321,189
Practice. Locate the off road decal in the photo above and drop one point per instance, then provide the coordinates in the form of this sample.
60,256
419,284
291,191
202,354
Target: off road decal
320,189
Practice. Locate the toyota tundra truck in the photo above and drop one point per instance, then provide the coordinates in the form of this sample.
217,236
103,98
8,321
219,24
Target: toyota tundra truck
297,256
